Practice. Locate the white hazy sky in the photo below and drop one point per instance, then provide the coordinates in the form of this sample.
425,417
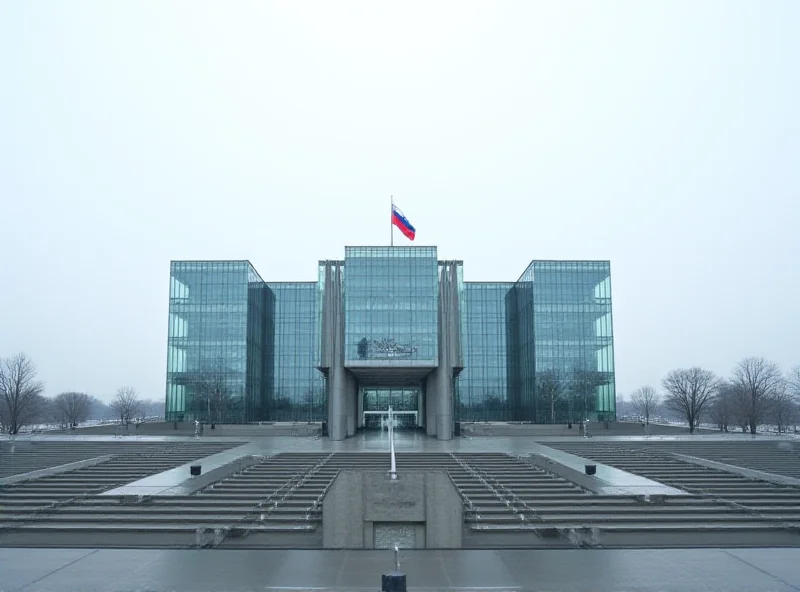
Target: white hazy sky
662,135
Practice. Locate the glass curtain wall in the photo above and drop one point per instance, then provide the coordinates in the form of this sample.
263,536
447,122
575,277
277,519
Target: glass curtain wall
391,303
297,391
210,307
482,387
563,344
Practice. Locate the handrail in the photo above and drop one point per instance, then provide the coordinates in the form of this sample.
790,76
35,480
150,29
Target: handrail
276,497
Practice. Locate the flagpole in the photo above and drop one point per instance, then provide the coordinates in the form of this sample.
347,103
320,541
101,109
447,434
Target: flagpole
391,222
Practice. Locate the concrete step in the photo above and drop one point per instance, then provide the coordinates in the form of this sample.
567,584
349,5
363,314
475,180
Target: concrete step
151,518
151,526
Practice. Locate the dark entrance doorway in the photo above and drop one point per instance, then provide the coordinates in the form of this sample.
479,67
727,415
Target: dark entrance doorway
375,403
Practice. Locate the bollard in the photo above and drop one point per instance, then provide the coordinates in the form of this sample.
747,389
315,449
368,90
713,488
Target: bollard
395,580
194,470
590,469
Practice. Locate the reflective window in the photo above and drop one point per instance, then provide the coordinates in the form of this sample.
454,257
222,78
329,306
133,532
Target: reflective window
208,340
561,363
539,349
296,391
391,303
482,387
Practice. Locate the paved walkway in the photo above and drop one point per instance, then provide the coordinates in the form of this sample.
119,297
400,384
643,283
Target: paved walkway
709,570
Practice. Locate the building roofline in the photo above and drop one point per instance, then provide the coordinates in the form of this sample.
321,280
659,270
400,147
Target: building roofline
510,282
253,267
391,246
561,261
210,261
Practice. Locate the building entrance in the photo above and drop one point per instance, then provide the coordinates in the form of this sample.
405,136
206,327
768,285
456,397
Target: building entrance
375,403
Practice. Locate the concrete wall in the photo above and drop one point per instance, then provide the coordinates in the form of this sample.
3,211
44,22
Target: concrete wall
358,500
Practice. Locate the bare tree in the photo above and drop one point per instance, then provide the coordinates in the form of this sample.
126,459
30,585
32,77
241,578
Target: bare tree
72,408
21,401
153,408
126,404
211,396
793,389
758,382
583,394
689,392
783,407
644,401
550,388
793,381
722,406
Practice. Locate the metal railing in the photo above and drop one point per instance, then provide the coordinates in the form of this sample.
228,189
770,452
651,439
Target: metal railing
512,501
264,507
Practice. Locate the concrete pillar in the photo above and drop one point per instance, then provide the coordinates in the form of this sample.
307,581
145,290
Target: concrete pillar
441,387
430,404
351,403
339,381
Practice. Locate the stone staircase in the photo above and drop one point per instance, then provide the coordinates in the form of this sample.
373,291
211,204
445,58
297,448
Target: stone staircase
778,456
22,456
46,502
508,502
744,506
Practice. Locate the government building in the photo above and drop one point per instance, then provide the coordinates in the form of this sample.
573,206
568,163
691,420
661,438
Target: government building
390,326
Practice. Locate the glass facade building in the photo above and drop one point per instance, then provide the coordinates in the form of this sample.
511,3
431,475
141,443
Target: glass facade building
217,341
390,326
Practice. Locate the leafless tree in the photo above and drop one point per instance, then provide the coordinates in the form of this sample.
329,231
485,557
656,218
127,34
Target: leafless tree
21,401
793,380
550,388
583,392
152,408
72,408
723,405
211,396
783,407
793,389
644,401
758,382
689,392
126,404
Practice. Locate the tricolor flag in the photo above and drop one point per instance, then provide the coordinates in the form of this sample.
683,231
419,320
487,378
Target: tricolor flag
399,220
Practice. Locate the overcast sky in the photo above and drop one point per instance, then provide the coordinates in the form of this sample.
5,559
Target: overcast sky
664,136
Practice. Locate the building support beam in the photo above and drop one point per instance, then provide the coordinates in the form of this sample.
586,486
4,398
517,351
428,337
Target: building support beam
340,383
440,391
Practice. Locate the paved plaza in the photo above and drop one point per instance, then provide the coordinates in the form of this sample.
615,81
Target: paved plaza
105,570
704,512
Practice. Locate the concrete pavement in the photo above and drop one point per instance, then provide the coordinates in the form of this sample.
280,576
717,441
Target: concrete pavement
91,570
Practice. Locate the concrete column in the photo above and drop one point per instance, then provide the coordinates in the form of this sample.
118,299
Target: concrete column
332,343
441,381
351,403
430,404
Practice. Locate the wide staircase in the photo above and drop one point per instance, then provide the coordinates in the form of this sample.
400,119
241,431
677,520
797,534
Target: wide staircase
23,455
753,506
778,456
508,502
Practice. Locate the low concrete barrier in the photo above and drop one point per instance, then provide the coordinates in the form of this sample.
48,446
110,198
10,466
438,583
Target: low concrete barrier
55,470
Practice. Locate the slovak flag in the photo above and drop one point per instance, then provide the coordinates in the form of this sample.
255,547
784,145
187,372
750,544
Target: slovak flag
399,220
